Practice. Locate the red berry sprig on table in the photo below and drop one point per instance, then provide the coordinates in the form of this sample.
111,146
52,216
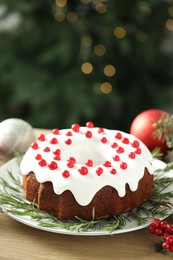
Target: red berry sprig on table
164,229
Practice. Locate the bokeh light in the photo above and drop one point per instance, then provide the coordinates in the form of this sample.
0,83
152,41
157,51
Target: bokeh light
99,49
71,17
61,3
170,10
101,8
86,41
169,25
59,17
119,32
106,88
87,68
109,70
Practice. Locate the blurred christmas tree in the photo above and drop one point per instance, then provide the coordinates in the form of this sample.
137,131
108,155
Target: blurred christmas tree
64,62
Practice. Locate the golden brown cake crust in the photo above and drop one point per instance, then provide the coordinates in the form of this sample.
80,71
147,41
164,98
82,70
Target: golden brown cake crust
106,201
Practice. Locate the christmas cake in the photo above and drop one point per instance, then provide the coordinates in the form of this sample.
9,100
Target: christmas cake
87,171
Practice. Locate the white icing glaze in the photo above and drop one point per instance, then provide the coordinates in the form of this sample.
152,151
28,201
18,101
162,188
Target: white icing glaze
82,148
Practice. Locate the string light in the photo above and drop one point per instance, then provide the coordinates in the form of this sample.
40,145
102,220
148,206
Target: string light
105,87
119,32
170,10
87,68
100,8
99,49
169,25
59,17
71,17
61,3
86,41
109,70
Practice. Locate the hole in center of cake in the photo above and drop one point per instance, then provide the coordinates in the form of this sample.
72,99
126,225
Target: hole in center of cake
86,150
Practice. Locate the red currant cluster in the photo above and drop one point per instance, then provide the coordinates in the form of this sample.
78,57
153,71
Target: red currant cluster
164,229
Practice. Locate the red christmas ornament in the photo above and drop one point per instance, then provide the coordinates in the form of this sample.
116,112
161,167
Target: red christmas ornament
143,128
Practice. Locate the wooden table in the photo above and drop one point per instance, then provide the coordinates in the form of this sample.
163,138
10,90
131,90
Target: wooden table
21,242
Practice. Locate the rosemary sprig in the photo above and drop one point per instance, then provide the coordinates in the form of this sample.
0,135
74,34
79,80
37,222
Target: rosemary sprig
164,129
16,187
16,204
156,153
116,222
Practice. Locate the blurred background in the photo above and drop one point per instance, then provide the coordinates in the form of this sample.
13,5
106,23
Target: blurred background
104,61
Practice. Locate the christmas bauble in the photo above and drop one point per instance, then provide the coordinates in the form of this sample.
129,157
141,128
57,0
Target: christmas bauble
143,128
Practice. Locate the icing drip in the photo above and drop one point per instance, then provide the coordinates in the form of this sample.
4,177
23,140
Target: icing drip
85,159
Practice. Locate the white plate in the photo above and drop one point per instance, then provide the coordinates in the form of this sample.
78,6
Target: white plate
13,167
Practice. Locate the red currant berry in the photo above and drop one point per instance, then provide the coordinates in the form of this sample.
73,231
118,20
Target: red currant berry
83,170
99,171
113,171
89,124
38,157
120,150
125,140
46,149
54,141
57,157
159,231
55,131
132,155
57,151
123,166
89,163
68,141
88,134
42,163
155,223
169,240
170,228
70,164
138,151
114,145
75,127
34,146
101,130
116,158
65,174
165,246
118,136
135,144
107,164
104,140
72,159
152,230
69,133
163,224
53,165
41,137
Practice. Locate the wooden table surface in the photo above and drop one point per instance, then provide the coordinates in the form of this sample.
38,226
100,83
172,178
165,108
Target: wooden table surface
21,242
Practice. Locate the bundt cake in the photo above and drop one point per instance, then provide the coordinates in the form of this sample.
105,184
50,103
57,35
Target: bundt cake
81,170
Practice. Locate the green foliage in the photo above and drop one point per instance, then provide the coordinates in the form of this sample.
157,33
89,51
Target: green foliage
40,62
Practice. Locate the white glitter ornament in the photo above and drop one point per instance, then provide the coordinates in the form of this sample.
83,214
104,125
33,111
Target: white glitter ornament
16,135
